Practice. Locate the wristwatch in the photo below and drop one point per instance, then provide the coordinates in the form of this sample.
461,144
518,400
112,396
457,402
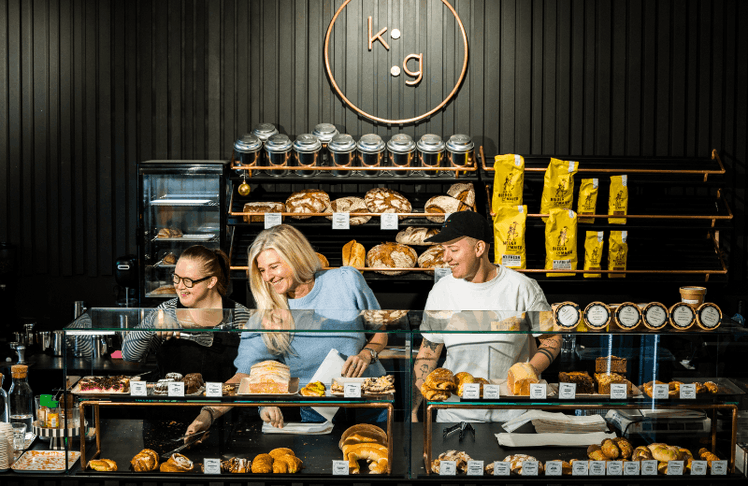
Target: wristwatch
374,354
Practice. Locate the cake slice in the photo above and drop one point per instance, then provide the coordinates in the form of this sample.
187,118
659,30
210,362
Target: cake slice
604,380
617,365
584,382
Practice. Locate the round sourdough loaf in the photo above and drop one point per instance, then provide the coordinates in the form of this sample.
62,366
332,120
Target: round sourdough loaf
307,201
443,205
464,191
414,235
262,207
392,255
383,200
351,204
432,258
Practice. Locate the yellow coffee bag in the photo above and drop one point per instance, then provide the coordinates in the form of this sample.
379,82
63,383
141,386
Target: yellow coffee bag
509,236
618,251
618,202
587,199
508,180
558,185
593,253
561,242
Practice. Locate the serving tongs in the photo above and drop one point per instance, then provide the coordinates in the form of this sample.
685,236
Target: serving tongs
202,338
167,455
463,427
188,436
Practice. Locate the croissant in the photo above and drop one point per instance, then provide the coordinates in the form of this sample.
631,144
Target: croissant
262,464
434,394
287,463
625,447
103,465
441,379
463,378
177,463
144,461
376,454
706,455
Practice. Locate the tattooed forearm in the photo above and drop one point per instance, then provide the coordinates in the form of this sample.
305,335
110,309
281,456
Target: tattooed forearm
426,344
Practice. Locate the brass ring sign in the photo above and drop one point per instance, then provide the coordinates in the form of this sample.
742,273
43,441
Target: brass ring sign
417,57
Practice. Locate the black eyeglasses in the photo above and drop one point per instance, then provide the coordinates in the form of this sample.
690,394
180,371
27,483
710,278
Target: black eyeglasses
188,282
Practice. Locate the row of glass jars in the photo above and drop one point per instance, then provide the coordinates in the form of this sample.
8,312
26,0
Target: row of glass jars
325,147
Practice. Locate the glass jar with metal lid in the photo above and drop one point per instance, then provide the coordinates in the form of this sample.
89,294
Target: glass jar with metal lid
307,148
371,150
264,131
324,133
248,150
460,151
342,149
401,149
278,148
430,152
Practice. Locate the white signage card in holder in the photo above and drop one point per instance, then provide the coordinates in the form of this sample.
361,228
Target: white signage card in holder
631,468
341,221
352,390
698,468
580,468
389,221
675,468
340,468
491,392
501,468
440,273
567,391
615,468
214,389
719,468
649,468
176,388
618,391
138,389
688,391
661,392
447,468
530,468
475,468
273,219
471,391
537,391
597,468
212,465
554,468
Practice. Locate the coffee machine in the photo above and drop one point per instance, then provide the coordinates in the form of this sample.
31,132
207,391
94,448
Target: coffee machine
126,275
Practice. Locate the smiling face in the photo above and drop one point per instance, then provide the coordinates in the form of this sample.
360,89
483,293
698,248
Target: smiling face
201,293
463,257
276,272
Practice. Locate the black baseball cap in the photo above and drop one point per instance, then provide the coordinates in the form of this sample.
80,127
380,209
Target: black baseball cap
464,223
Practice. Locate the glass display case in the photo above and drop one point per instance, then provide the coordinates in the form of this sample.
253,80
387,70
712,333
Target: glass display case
181,204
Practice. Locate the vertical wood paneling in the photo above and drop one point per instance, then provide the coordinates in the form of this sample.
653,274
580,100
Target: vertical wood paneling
52,209
4,122
578,81
91,139
104,159
28,174
119,184
175,75
633,78
618,79
40,140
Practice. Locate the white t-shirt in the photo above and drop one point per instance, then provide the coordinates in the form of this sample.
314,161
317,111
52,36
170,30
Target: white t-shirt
456,304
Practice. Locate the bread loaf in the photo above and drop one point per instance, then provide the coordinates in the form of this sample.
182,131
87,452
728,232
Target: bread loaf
375,454
432,258
383,200
164,290
169,233
391,255
350,204
262,207
307,201
322,259
413,235
354,254
443,205
359,433
464,191
520,377
268,377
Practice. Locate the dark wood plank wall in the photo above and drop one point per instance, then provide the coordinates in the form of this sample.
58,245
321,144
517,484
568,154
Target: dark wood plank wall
90,87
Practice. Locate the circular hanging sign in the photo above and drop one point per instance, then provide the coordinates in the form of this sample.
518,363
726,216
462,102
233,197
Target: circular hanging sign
417,57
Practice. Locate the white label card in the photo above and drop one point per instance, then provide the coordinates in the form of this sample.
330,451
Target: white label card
341,221
553,468
618,391
138,389
491,392
212,466
688,391
475,468
272,219
719,468
213,389
388,221
537,391
649,468
340,468
471,391
530,468
661,391
698,468
567,391
580,468
675,468
631,468
440,273
615,468
597,468
447,468
501,468
352,390
176,389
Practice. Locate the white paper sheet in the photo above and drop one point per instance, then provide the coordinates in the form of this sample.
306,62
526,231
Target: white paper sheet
560,418
562,440
329,369
299,428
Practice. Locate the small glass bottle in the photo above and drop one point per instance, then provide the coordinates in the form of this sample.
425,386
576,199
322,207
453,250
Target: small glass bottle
21,397
4,402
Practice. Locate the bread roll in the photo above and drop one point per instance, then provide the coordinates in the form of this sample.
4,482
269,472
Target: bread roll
433,258
413,235
354,254
464,191
443,205
391,255
350,204
383,200
262,207
103,465
520,377
307,201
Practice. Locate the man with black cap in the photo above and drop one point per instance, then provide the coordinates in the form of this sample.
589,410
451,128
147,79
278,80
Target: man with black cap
480,296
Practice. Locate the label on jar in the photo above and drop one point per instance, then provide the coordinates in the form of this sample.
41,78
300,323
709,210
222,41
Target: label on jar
273,219
567,315
447,468
649,468
661,391
710,316
628,316
688,391
615,468
491,391
597,316
471,391
580,468
719,468
682,316
554,468
597,468
655,316
698,468
631,468
567,391
529,468
501,468
341,221
388,221
475,468
538,391
618,391
212,465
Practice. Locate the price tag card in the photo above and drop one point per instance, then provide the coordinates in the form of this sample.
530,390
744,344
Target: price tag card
447,468
597,468
631,468
471,391
212,466
537,391
501,468
553,468
440,273
529,468
580,468
340,468
475,468
688,391
176,389
138,389
649,468
698,468
272,219
567,391
661,391
719,468
618,391
341,221
615,468
213,389
388,221
675,468
491,392
352,390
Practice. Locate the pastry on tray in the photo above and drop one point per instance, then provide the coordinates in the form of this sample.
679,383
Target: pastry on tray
177,463
145,461
103,465
314,389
